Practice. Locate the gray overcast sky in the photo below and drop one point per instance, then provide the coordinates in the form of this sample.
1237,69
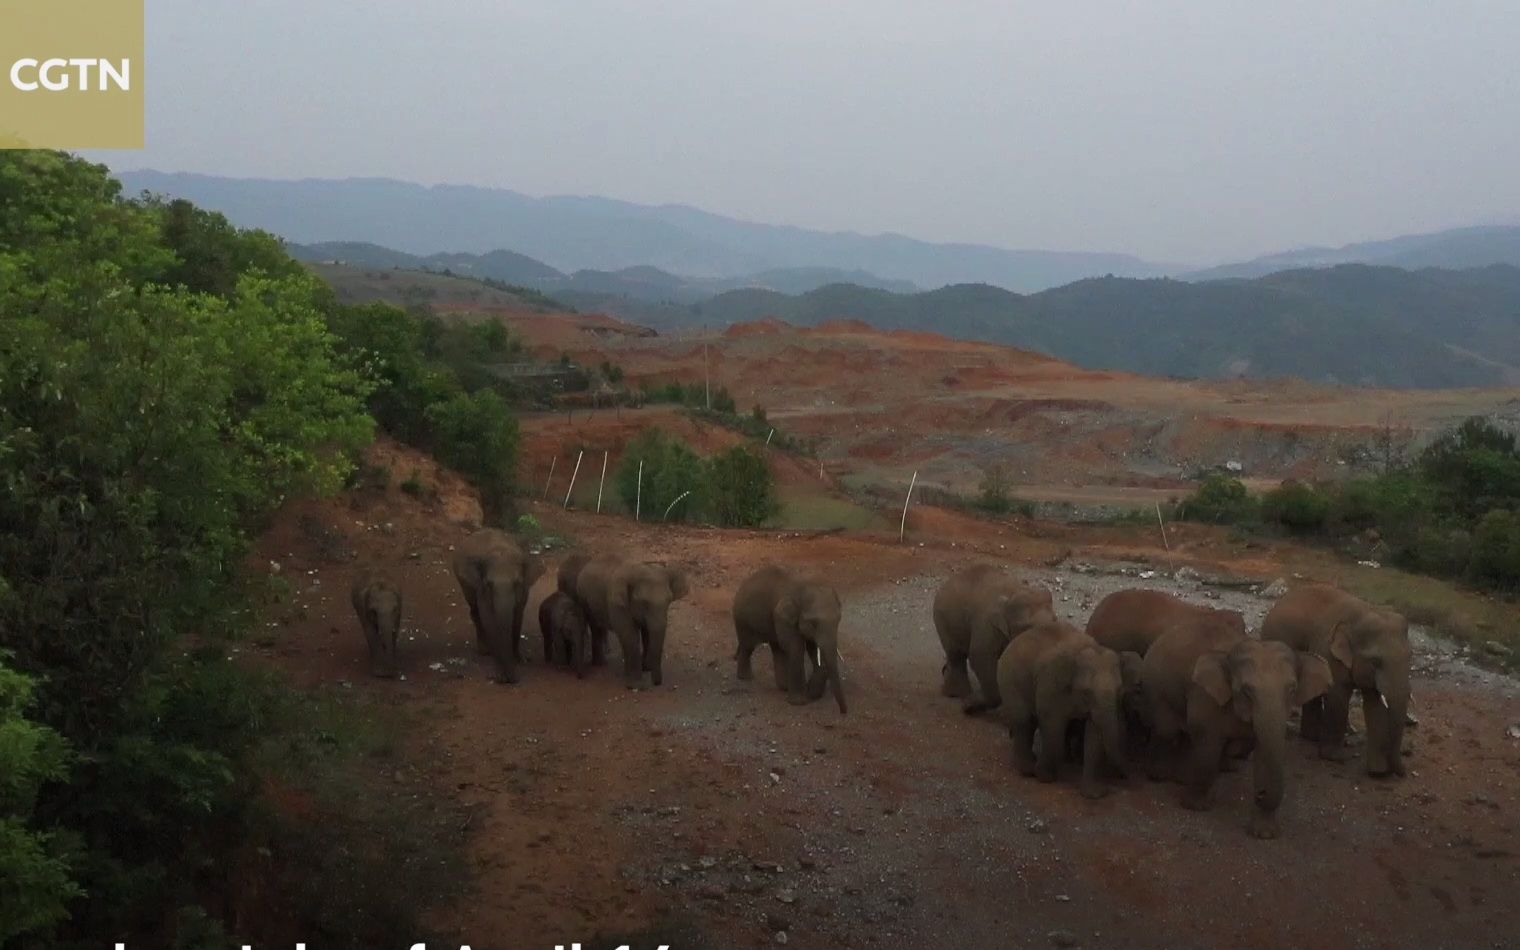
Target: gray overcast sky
1180,130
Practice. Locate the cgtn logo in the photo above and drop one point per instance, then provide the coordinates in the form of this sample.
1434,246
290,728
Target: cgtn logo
72,74
28,74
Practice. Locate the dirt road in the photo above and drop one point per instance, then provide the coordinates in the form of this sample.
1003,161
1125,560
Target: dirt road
712,813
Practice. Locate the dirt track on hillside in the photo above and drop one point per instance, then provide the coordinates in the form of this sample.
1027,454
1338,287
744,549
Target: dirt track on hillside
721,814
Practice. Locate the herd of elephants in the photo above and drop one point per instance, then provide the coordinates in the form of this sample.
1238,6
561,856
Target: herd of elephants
1180,684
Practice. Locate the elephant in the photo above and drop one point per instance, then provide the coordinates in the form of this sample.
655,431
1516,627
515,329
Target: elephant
632,599
976,612
378,605
1132,619
798,618
1368,650
569,570
495,575
1216,687
565,632
1053,677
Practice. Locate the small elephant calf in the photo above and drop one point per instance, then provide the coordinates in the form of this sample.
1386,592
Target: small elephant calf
566,634
799,620
377,603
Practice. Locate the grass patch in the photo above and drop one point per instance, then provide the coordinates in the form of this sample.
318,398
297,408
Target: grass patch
1460,615
804,510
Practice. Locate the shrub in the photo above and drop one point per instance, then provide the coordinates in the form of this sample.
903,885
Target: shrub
1496,548
670,468
723,402
741,488
413,485
996,491
1297,507
1476,467
1219,500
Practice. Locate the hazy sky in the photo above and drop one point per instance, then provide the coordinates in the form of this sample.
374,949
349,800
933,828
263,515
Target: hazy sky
1180,130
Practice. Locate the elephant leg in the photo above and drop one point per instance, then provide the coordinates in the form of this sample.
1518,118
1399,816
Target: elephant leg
482,642
1092,762
1311,723
778,667
1021,731
1332,737
598,644
956,681
1203,769
984,661
548,646
744,657
631,642
577,646
1052,746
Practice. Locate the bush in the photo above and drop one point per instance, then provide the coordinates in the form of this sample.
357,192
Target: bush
723,402
1496,548
670,468
1219,500
996,494
1297,507
741,489
1476,467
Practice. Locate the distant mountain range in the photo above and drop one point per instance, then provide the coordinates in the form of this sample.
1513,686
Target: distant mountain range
643,283
1457,248
1352,323
575,233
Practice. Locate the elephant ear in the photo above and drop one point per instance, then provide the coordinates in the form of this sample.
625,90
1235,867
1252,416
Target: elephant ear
678,585
1313,677
1340,646
1213,677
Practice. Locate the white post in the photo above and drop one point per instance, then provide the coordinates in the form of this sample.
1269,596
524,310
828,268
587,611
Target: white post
673,504
902,529
602,484
638,495
572,478
706,376
769,434
552,462
1164,541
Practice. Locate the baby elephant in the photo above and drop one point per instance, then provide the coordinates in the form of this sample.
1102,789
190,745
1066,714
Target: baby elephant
566,635
378,605
1053,677
797,618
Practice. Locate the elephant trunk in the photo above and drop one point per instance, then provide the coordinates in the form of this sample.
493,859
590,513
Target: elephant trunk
1111,728
1267,761
830,659
1394,688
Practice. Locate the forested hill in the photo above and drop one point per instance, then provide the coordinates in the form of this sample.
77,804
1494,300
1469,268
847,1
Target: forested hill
1350,324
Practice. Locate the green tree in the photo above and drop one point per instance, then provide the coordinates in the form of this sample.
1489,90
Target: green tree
1496,548
741,488
477,435
155,409
35,882
670,469
1297,507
